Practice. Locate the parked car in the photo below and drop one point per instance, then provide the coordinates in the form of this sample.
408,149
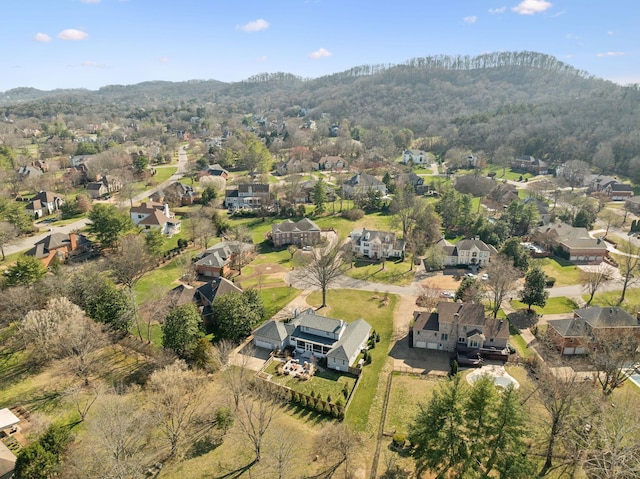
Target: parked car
447,294
471,275
307,248
485,277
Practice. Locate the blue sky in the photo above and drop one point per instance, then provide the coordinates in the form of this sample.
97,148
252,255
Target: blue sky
51,44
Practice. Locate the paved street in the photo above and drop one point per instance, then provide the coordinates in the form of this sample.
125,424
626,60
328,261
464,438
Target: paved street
27,243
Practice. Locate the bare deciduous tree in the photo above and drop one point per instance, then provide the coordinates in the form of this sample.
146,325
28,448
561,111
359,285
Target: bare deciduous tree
501,282
8,233
337,445
322,270
84,397
611,353
629,265
594,279
78,338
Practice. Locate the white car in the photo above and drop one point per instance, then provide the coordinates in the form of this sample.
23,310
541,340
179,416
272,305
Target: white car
484,277
471,275
307,248
447,294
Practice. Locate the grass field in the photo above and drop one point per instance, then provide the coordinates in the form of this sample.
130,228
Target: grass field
563,271
394,272
406,391
351,305
554,306
610,298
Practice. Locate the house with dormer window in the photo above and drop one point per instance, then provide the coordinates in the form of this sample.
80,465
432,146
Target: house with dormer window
472,252
416,157
376,244
312,335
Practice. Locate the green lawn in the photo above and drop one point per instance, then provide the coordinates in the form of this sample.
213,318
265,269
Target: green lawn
158,282
554,306
323,384
518,342
406,392
563,271
393,273
275,299
631,302
351,305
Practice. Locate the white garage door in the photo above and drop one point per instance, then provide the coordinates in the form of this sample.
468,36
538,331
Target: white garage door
580,351
432,346
421,344
569,351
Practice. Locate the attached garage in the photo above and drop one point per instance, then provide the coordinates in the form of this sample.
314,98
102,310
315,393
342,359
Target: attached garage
261,343
432,345
421,344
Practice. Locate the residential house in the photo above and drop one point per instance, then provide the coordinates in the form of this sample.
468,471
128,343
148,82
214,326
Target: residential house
44,203
248,196
542,207
415,157
312,335
60,246
305,192
176,194
214,170
461,328
574,334
414,180
301,233
529,164
361,183
573,244
218,260
473,252
598,183
331,163
633,204
29,171
292,166
619,191
106,185
150,215
7,462
206,295
376,244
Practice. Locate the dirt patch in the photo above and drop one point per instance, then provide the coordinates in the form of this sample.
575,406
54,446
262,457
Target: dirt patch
269,268
441,281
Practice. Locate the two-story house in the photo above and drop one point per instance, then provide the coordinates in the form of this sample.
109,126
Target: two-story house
44,203
310,334
415,157
301,233
529,164
106,185
473,252
331,163
376,244
461,328
60,247
248,196
150,215
361,183
217,260
574,334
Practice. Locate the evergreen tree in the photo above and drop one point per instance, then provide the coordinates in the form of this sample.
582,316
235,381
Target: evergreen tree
319,195
533,292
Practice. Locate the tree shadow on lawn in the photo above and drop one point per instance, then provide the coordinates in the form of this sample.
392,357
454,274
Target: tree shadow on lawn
307,414
523,319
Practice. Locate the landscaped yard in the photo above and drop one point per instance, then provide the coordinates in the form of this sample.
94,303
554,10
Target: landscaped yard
554,306
563,271
351,305
323,384
610,298
394,272
406,391
274,299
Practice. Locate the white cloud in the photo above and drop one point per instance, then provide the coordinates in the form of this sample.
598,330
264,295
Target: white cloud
163,59
262,58
42,37
494,11
610,32
470,20
90,1
531,7
569,56
89,64
610,54
254,26
72,34
320,53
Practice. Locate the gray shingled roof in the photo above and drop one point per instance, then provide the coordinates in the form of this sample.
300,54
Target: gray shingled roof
468,313
310,319
305,224
426,321
272,330
351,339
599,317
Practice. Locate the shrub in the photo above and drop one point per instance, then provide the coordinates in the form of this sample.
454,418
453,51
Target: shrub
327,409
345,391
311,402
454,367
303,400
320,407
313,394
329,398
339,402
353,215
399,440
549,282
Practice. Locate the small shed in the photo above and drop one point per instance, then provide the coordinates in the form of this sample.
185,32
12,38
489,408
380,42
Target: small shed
8,419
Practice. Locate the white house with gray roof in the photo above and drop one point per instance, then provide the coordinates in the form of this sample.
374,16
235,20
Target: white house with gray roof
314,335
376,244
467,251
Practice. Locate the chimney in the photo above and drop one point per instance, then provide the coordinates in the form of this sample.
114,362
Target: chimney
73,240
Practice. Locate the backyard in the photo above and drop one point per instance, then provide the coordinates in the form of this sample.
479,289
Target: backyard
556,305
563,271
394,272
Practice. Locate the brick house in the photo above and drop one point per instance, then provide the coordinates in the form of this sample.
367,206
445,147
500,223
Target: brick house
461,328
531,165
301,233
474,252
575,333
574,244
217,260
61,246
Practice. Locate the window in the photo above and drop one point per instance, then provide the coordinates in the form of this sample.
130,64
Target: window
491,340
445,336
474,344
462,340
